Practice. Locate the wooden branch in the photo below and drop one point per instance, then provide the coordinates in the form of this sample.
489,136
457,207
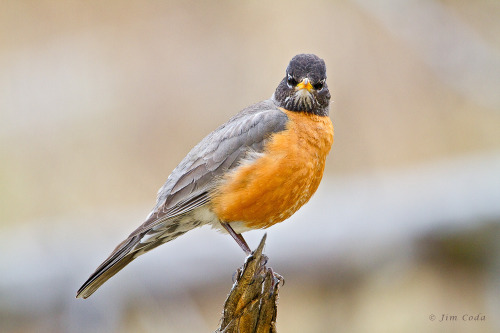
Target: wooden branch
251,304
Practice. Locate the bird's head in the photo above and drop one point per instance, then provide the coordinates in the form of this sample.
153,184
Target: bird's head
304,86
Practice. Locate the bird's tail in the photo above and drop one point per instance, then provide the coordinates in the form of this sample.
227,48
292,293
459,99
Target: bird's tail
118,259
139,242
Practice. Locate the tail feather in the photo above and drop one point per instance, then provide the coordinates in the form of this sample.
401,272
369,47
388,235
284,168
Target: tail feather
118,259
135,245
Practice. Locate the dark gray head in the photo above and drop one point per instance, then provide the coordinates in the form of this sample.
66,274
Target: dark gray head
304,86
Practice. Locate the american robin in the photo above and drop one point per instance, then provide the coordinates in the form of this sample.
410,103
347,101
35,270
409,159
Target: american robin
254,171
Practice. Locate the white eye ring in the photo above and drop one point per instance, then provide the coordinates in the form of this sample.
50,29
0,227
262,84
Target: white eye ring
291,82
320,85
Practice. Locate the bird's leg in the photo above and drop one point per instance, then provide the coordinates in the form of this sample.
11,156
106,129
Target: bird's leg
238,238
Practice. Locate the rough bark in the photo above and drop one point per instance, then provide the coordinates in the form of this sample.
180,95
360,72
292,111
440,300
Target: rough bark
251,306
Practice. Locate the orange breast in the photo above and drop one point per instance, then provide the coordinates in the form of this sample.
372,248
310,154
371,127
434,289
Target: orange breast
271,188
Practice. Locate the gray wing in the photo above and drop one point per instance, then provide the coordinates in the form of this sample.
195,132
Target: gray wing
191,182
189,185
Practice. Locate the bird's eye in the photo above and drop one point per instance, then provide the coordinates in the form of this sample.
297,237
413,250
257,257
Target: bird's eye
318,86
291,81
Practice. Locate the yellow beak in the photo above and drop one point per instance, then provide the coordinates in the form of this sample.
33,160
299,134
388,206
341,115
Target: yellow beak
305,84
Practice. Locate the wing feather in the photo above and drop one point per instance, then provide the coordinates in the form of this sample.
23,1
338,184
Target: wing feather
219,151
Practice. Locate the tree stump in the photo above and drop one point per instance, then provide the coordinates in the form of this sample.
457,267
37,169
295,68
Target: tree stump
251,305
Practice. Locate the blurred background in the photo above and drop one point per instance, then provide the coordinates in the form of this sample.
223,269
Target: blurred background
99,101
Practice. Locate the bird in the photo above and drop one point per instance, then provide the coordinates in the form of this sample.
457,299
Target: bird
250,173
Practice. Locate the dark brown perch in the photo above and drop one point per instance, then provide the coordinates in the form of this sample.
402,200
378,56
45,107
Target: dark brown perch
251,306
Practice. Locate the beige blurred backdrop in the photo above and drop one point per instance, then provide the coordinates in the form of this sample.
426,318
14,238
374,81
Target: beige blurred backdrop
99,101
